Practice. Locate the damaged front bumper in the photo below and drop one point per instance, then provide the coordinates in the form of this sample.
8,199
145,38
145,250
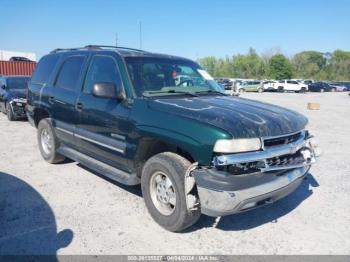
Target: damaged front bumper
17,106
266,175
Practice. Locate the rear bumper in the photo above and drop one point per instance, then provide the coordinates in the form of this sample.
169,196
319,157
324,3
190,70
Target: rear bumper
234,194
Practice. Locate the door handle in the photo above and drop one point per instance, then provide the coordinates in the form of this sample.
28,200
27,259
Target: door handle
51,99
79,106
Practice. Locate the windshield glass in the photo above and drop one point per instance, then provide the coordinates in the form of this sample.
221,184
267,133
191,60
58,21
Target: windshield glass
17,82
161,76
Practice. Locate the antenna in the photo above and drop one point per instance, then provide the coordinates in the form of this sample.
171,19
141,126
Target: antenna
116,39
140,35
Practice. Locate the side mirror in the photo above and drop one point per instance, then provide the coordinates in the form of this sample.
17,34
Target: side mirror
108,90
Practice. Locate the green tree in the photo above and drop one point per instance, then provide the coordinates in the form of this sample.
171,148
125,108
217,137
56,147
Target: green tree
309,64
280,67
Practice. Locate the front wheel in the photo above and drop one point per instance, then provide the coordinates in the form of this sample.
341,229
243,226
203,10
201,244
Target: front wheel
48,142
163,189
260,90
333,89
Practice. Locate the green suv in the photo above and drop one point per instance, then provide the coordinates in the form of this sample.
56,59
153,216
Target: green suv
162,121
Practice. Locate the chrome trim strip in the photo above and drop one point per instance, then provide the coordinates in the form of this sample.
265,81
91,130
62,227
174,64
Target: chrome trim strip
99,143
120,137
91,140
65,131
270,152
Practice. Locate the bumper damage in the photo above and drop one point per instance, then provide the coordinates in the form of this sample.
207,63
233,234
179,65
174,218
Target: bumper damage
18,107
263,177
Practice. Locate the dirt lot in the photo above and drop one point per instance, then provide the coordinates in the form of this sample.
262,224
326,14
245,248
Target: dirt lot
65,208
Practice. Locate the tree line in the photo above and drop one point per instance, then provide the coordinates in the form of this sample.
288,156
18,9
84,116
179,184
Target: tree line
274,65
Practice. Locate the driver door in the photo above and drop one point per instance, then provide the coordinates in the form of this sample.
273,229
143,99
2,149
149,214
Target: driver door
103,127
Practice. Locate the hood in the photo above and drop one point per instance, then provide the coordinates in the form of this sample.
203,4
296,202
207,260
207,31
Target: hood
20,93
242,118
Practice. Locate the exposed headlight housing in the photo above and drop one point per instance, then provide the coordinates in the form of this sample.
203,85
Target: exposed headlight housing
237,145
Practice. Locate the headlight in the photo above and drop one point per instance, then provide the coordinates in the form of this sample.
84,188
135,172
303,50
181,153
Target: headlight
237,145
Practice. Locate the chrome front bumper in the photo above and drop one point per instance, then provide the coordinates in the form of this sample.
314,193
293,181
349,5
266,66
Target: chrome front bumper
225,202
222,193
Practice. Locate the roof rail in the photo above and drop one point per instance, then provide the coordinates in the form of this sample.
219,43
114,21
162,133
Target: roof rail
89,47
116,47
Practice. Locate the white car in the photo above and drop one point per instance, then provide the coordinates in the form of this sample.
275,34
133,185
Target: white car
290,85
269,85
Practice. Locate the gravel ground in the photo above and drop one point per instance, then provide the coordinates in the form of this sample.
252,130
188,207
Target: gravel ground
67,209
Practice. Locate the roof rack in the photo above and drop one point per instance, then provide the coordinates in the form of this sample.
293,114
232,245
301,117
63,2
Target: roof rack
91,47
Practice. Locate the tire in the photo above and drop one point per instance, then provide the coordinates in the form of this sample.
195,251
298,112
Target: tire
48,148
241,90
175,217
303,90
280,89
333,89
322,90
9,112
260,90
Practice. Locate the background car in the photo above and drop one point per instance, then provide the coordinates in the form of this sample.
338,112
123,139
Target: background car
321,87
13,92
339,86
20,59
269,85
290,85
251,86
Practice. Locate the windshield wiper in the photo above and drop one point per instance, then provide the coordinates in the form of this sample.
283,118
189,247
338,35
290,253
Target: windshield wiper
210,91
172,91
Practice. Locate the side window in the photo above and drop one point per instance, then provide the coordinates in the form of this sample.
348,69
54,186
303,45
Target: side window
103,69
44,69
70,72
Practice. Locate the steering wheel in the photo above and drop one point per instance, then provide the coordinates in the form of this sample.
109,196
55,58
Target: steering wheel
188,81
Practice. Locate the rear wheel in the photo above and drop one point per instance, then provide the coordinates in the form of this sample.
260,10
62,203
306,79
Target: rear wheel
48,142
163,189
333,89
303,90
322,90
280,89
260,90
9,112
241,90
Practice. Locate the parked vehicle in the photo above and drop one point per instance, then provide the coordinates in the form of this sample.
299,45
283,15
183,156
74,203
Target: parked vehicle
321,87
20,59
227,83
13,91
290,85
251,86
339,86
269,85
194,150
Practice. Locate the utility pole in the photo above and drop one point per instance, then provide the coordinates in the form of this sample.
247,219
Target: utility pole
116,39
140,35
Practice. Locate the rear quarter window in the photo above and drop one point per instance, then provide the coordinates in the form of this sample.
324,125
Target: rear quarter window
44,69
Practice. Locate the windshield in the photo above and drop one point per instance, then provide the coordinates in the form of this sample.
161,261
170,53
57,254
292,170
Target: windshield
161,76
17,82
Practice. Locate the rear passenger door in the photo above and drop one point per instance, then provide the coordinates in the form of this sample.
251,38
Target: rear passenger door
63,95
103,126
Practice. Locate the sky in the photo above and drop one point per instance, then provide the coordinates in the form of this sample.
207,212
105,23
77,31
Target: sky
192,28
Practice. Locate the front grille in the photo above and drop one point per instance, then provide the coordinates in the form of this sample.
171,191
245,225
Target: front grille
285,161
276,141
